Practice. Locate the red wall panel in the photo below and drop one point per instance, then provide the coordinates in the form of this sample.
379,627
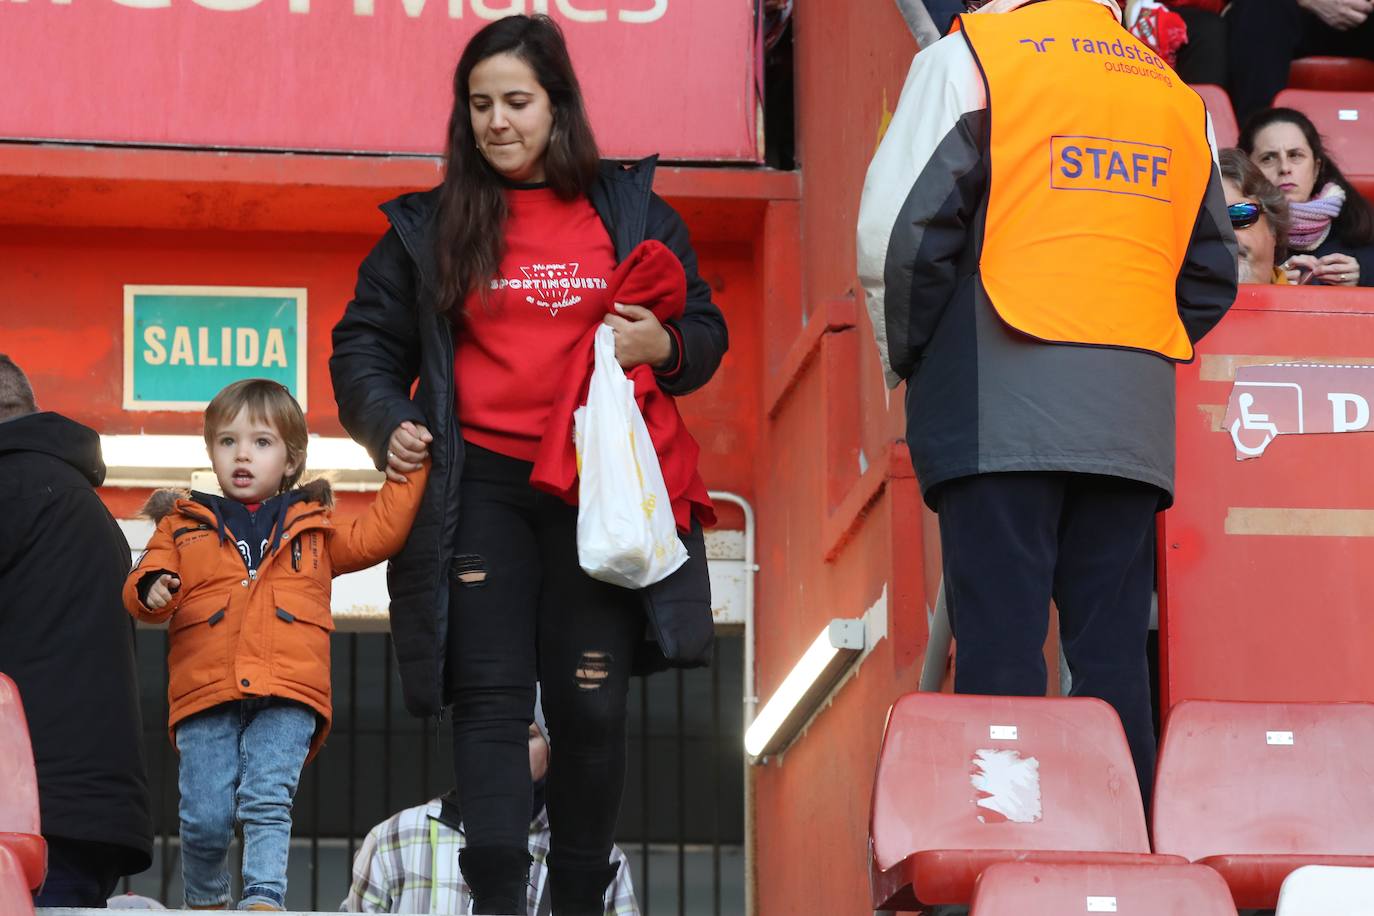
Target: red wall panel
1270,561
841,521
667,76
61,319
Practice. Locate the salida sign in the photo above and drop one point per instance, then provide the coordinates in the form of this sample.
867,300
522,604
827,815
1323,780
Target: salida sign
666,76
182,344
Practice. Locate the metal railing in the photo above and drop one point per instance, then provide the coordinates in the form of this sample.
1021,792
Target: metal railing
681,824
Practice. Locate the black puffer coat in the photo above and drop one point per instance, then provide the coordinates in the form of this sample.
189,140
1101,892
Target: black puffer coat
66,640
391,335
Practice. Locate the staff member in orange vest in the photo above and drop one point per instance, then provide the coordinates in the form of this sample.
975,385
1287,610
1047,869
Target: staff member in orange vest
1042,236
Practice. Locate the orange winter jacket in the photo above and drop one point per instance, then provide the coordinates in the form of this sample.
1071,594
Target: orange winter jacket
233,637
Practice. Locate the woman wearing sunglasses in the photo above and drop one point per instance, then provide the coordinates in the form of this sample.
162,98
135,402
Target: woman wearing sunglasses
1332,234
1259,216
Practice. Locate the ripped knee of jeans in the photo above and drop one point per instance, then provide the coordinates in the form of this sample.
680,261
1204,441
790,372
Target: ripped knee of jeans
470,570
592,670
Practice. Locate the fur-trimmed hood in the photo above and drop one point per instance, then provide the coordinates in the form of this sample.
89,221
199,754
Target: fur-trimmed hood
162,502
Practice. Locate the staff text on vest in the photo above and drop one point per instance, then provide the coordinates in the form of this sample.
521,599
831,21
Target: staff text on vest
1110,166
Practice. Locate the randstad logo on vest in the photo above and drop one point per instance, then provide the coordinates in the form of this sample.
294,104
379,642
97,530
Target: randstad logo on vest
1153,66
1129,58
1110,166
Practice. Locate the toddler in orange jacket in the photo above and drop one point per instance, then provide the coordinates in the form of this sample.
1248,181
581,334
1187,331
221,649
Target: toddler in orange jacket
244,580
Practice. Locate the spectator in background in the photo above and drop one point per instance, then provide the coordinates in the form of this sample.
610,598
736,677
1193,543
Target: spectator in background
1331,233
1259,215
67,644
1189,34
408,863
1265,36
1202,59
942,12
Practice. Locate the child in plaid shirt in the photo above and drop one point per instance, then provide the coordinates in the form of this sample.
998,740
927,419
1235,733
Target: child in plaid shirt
409,862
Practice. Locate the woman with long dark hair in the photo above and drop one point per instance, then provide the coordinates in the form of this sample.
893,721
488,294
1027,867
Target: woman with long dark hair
1332,232
480,292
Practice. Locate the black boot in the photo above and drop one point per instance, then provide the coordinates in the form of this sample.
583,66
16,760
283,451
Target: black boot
580,891
498,877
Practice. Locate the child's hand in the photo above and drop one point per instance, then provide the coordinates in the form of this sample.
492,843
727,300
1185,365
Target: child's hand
162,591
406,450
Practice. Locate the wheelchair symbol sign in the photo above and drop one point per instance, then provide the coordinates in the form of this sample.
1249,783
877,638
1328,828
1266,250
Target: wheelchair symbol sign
1253,428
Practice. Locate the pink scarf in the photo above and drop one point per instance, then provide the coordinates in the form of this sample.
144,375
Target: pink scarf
1312,218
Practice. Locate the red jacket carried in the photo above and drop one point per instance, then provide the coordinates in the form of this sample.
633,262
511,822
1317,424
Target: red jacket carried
651,277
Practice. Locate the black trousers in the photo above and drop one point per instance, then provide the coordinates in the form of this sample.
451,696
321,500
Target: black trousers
1012,542
1203,58
1265,36
81,873
522,610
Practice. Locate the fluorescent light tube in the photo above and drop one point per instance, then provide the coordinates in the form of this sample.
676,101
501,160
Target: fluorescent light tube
804,688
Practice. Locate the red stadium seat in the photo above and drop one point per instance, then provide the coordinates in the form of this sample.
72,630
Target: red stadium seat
15,898
1257,790
1036,889
1223,115
19,819
964,782
1346,121
1332,74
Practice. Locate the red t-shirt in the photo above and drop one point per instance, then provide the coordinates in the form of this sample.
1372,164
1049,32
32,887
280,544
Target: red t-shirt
549,291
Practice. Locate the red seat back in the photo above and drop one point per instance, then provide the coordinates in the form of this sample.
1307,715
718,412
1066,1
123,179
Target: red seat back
15,899
18,782
1332,74
1218,104
1031,889
1230,783
971,772
1345,121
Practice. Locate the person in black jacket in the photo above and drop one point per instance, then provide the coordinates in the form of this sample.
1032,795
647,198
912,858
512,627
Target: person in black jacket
69,646
1264,37
478,291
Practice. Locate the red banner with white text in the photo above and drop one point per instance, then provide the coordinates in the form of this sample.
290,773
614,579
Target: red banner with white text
674,77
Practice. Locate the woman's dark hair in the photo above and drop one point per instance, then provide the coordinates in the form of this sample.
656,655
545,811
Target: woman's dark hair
1355,225
472,202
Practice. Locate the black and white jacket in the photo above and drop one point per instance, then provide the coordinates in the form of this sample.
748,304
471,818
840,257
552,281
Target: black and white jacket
981,397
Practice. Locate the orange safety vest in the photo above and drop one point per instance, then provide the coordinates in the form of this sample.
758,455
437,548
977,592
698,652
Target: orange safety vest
1099,162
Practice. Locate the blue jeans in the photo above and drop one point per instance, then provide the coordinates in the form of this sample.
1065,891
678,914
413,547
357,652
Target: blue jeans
240,761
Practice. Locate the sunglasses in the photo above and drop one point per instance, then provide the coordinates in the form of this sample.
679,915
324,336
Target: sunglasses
1243,215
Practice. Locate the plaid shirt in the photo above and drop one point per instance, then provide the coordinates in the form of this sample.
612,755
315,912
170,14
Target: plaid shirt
409,864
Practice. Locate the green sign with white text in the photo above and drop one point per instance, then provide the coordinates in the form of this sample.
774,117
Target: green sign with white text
182,344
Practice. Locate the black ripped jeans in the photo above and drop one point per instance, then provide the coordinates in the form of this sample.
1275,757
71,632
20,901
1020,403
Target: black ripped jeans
521,610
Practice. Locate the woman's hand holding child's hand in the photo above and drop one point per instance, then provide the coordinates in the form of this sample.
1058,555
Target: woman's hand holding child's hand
406,450
162,591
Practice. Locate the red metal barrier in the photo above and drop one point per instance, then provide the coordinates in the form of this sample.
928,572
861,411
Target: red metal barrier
1266,577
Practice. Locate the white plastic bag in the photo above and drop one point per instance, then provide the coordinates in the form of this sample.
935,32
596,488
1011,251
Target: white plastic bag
625,530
